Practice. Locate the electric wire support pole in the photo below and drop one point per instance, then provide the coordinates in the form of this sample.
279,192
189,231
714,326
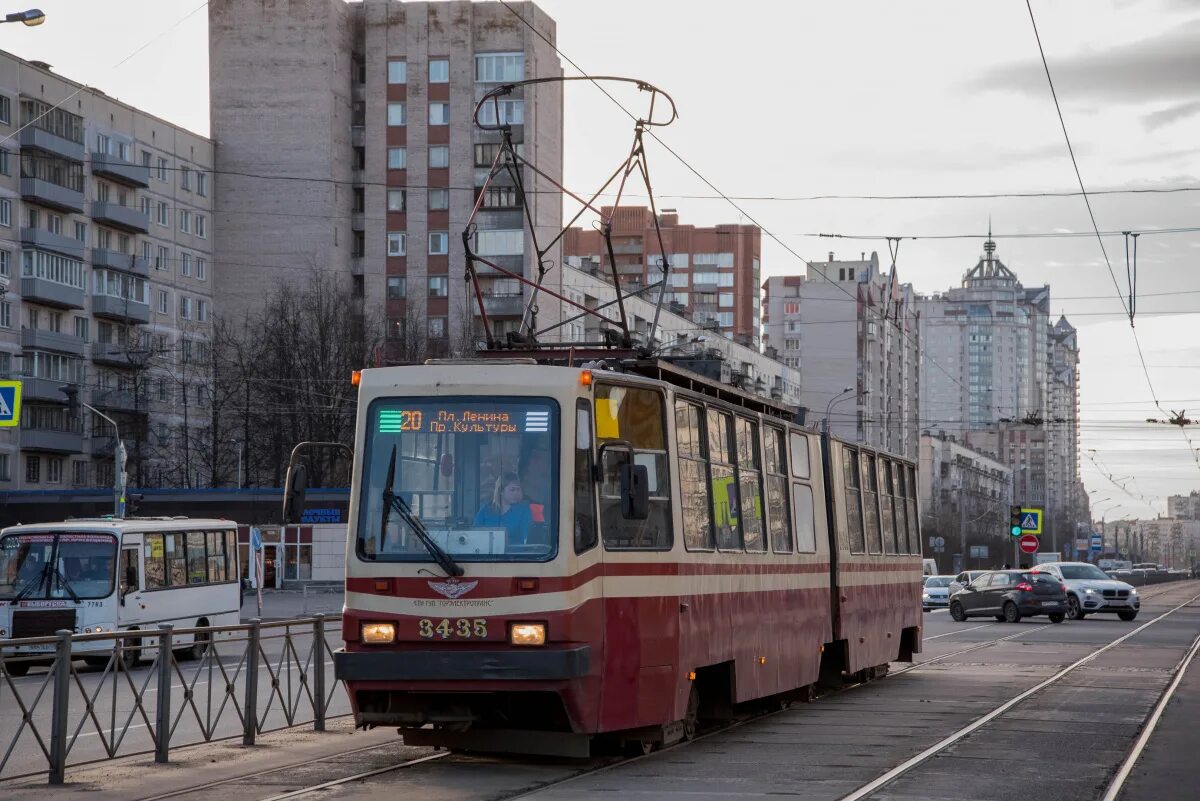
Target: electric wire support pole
119,454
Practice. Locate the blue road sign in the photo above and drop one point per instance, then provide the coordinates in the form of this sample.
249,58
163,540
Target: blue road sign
1097,542
255,539
10,403
1031,520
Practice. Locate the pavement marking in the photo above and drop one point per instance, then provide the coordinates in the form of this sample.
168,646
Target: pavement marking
975,647
941,745
959,631
1118,782
364,775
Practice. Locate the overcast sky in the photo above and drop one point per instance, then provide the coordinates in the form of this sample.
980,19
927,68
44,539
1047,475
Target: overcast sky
865,98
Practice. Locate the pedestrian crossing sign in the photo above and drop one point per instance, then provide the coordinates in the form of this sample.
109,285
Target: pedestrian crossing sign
10,403
1031,521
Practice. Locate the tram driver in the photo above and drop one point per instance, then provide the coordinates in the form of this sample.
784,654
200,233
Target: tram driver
508,508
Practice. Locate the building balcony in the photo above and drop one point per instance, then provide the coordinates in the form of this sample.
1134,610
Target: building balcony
358,221
37,339
514,264
502,305
357,265
111,354
120,170
44,439
358,176
120,400
48,240
119,216
33,137
43,389
628,248
51,293
47,194
114,260
358,135
121,309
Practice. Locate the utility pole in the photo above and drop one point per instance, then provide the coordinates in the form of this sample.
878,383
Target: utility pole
119,455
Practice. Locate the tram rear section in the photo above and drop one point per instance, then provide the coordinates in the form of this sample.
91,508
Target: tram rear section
542,557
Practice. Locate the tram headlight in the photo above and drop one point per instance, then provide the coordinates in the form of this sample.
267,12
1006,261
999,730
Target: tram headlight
378,633
527,634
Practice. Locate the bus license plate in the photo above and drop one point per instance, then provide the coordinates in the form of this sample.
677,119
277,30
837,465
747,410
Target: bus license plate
43,648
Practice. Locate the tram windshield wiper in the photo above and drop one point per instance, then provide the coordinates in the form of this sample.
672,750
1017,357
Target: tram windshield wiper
392,501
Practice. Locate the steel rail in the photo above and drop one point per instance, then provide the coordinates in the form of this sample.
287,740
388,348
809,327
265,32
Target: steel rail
954,737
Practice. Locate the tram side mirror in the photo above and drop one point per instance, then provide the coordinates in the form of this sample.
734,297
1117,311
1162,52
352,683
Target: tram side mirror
294,488
635,491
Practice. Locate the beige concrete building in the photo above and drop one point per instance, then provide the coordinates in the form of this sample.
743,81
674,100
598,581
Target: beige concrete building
345,142
848,324
106,235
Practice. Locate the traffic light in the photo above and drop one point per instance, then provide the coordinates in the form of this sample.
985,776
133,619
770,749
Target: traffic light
133,502
1014,521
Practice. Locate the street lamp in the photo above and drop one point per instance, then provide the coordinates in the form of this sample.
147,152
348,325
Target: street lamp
33,17
241,446
844,395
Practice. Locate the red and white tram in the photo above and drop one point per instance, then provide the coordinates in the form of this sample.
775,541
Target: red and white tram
538,555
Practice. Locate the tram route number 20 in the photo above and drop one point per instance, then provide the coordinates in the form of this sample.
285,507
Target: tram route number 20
462,628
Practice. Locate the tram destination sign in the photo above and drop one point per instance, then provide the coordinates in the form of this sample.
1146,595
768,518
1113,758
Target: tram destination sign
463,421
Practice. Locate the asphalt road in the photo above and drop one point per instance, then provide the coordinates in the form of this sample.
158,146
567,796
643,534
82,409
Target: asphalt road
1063,742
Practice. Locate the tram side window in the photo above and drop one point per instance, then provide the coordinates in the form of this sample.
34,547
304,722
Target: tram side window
585,487
914,531
693,477
800,462
724,482
750,485
870,498
900,505
853,509
887,520
777,488
635,416
806,526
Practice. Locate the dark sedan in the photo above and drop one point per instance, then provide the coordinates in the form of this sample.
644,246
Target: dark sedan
1011,595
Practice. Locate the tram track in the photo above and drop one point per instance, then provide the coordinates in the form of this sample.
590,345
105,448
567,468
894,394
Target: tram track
614,762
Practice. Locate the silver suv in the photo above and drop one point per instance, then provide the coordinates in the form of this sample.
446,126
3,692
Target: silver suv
1090,590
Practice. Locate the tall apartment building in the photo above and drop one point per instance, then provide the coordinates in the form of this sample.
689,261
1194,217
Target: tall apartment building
105,255
715,272
1185,507
847,324
998,371
345,142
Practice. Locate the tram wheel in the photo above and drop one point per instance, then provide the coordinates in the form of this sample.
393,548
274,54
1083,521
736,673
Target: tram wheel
691,720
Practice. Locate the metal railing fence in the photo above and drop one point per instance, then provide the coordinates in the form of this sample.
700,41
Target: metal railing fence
149,690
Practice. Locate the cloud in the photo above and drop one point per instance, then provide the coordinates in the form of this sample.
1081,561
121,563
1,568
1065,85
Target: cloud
1162,67
1166,116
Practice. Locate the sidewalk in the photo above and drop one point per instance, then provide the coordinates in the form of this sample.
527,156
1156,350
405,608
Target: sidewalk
288,604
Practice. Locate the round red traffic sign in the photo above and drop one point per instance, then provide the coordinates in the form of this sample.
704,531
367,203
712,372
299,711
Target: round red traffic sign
1028,543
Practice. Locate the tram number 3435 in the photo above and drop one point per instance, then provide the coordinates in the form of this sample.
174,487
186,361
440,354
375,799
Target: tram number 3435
462,628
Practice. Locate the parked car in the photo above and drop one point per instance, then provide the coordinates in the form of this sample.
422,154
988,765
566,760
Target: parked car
936,593
1010,595
1090,590
964,578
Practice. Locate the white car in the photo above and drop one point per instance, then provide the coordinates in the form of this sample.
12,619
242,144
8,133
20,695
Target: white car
936,592
964,578
1090,590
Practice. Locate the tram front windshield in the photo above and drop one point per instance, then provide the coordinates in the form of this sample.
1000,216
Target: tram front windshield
479,474
57,566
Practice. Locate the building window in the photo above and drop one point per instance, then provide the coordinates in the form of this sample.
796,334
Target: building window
201,270
396,287
50,267
510,112
164,301
5,109
51,169
162,169
439,156
202,311
164,258
439,113
54,469
437,327
500,243
162,213
396,199
5,319
397,72
397,158
79,473
81,327
201,226
185,260
185,307
6,213
146,206
439,70
439,286
5,474
33,469
5,263
80,232
396,244
499,67
439,243
501,197
725,300
185,221
486,152
201,183
4,162
185,179
147,251
146,159
439,199
396,114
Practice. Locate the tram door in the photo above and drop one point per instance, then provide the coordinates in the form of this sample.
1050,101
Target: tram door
641,627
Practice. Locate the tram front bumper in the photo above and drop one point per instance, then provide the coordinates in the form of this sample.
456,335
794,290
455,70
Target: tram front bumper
433,665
